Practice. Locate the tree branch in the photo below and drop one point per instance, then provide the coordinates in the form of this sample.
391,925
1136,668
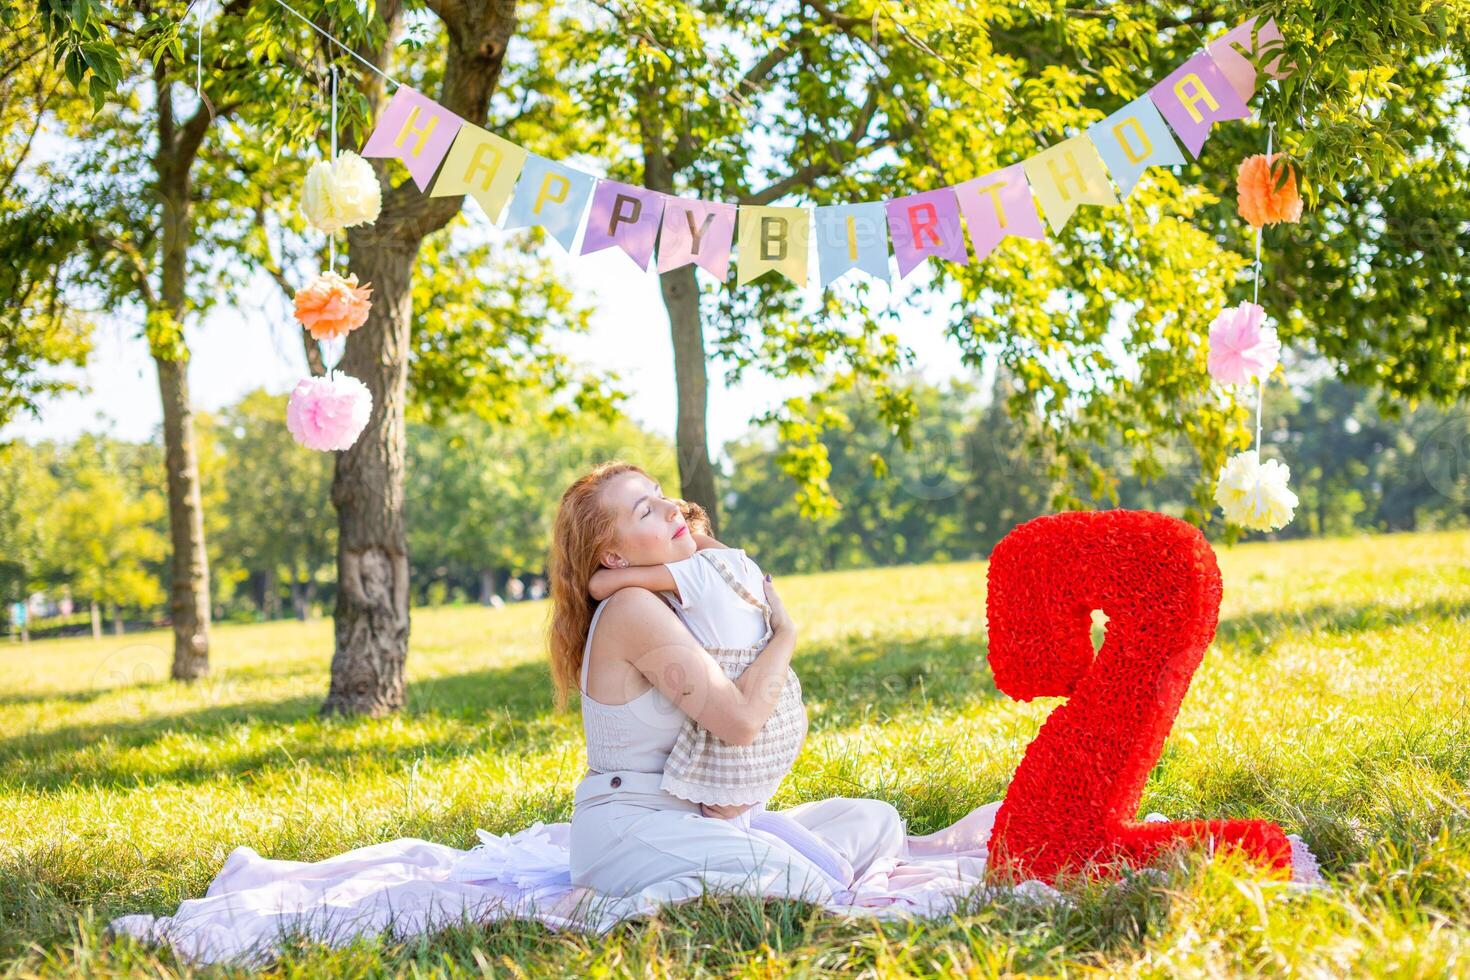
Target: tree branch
821,168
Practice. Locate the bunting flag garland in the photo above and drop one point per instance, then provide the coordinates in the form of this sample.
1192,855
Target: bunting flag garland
772,238
416,130
1194,97
1214,85
482,165
701,232
1067,175
625,216
551,195
997,205
851,236
1133,139
1234,50
926,224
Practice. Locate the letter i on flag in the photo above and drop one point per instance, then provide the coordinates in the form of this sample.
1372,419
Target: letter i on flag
852,236
1065,176
482,165
923,225
697,231
551,195
1194,97
997,205
1133,139
416,130
773,238
625,216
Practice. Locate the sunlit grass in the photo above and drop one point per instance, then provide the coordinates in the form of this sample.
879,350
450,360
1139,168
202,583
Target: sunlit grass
1334,701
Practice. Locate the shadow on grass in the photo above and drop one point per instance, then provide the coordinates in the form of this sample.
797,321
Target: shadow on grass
504,709
1254,633
499,710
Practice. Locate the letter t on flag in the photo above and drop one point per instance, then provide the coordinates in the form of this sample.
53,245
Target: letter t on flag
997,205
625,216
416,130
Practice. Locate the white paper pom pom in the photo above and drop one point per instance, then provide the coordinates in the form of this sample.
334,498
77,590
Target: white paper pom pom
1255,495
341,194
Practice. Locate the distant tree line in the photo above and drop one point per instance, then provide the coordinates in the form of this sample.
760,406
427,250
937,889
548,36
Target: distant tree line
87,520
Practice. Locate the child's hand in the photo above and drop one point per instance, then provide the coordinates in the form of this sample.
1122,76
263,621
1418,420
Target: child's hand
600,584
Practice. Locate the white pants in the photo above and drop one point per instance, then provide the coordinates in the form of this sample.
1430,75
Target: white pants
634,836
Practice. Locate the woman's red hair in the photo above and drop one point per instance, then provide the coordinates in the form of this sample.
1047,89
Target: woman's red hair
583,530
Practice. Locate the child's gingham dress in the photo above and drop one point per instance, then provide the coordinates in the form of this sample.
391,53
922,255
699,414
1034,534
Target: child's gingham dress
703,769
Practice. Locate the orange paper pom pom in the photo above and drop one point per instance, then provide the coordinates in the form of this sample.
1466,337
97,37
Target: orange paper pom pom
331,307
1261,201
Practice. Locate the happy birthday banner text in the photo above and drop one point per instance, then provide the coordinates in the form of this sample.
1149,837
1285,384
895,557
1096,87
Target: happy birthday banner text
1212,86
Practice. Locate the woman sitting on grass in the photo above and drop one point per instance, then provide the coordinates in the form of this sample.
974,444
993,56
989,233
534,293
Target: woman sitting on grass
657,675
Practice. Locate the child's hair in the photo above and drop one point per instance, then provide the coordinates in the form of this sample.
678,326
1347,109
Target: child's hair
695,516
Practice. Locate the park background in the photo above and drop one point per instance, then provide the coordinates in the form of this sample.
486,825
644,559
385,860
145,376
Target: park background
869,444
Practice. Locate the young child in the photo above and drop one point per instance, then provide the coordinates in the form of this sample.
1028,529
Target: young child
721,594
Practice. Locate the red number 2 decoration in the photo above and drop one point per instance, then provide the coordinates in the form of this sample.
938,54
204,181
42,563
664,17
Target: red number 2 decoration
1072,805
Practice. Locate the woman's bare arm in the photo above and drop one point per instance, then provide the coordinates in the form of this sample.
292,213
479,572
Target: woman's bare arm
645,632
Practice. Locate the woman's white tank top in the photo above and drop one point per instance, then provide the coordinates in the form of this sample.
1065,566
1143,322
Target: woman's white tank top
635,736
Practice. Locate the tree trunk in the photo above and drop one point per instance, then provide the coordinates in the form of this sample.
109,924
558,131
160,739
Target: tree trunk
96,621
117,621
189,564
189,568
372,547
696,475
487,585
367,487
271,593
300,600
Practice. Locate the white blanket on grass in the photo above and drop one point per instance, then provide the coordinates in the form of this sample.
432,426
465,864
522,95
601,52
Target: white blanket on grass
410,886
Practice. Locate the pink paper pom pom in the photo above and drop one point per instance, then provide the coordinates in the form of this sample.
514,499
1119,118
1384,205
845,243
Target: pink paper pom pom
328,413
1241,348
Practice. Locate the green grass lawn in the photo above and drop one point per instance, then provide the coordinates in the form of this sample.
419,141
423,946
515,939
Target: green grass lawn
1333,701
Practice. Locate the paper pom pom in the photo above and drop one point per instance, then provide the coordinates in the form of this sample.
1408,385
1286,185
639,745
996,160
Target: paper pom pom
1255,495
328,413
1072,805
1259,200
341,194
1242,348
331,307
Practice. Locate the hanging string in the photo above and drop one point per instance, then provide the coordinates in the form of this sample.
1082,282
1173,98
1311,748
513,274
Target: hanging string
312,24
199,59
199,52
331,238
1256,290
331,353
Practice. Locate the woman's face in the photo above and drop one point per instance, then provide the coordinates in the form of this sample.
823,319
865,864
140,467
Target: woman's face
650,529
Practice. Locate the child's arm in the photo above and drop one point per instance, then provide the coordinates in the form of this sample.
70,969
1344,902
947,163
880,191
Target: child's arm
654,578
703,541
